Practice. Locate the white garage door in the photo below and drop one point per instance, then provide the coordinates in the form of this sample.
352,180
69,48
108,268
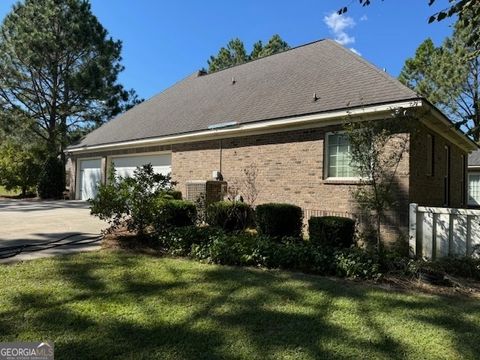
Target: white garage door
90,178
126,165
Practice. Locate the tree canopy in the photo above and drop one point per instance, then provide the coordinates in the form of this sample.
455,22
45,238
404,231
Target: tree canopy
59,70
449,77
234,53
58,80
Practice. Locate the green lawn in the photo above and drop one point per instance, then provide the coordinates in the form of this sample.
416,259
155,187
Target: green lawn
117,305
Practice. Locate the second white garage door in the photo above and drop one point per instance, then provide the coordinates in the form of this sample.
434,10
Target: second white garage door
126,165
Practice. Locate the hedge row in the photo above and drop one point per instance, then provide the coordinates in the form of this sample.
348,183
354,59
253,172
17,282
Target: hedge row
213,245
273,220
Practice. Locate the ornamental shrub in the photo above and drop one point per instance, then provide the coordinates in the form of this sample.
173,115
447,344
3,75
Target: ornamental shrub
132,201
174,213
180,241
354,262
229,215
279,220
331,231
172,194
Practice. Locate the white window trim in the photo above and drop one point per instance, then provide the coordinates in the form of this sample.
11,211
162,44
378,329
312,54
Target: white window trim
325,160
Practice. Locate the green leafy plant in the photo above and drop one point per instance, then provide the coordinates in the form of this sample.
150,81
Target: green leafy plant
357,263
376,151
229,215
188,241
131,201
331,231
20,166
279,220
173,213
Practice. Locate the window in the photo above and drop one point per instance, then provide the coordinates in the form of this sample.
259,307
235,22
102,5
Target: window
338,157
474,189
430,154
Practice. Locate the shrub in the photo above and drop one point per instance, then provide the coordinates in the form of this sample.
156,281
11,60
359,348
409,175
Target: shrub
356,263
131,201
331,231
466,267
172,194
51,183
229,215
279,220
180,241
216,246
174,213
230,249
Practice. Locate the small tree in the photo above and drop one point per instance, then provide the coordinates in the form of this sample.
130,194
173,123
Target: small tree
131,201
249,186
377,149
19,166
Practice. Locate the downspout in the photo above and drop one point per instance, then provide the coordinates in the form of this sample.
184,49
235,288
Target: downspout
221,154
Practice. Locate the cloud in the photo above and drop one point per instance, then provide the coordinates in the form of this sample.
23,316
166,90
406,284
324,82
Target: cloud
355,51
364,18
338,24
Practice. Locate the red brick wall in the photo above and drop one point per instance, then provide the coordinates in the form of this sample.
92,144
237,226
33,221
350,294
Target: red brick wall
428,189
290,169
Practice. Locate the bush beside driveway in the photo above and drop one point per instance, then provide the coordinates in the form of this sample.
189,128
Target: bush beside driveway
111,304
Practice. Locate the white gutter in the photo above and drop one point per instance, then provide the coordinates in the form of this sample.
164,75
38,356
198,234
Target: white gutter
328,118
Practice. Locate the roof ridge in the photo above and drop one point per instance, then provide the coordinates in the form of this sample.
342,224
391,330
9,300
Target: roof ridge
384,74
267,56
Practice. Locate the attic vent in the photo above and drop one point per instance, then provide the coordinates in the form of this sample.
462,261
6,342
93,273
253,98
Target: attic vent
223,125
233,81
315,97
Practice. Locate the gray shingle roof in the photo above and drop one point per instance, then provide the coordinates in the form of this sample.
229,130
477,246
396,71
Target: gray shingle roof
276,86
474,158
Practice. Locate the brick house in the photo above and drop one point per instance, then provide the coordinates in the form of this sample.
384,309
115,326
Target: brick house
284,114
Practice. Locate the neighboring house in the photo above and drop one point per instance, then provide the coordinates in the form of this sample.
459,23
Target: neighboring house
474,179
283,113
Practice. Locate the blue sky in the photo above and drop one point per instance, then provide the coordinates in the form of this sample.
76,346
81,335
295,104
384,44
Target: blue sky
164,41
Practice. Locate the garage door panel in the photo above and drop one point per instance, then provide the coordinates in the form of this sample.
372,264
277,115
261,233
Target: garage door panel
125,166
90,178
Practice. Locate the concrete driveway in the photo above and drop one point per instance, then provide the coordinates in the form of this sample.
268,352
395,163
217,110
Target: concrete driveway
34,222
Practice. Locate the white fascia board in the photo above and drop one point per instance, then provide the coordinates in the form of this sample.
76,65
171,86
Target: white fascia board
286,124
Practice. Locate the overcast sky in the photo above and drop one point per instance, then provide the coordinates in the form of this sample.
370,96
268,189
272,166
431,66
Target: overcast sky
165,41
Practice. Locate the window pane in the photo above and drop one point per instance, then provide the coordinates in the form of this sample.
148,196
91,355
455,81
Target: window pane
474,189
339,160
